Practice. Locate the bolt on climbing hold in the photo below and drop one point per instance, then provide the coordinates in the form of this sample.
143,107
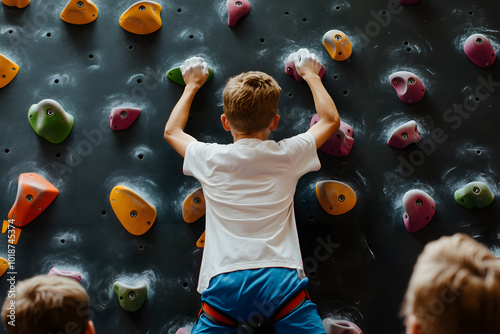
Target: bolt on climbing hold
135,214
340,327
34,195
236,9
405,135
16,3
131,298
201,241
340,143
292,71
193,207
71,274
408,86
335,197
49,120
474,195
122,118
4,266
337,44
79,12
142,18
175,75
479,50
419,209
8,70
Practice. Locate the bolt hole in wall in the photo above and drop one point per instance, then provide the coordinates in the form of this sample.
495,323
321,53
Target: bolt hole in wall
49,34
6,150
104,212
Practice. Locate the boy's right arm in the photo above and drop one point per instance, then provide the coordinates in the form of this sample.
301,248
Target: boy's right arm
308,67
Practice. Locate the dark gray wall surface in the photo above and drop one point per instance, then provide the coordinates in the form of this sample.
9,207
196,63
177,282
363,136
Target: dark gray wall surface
359,263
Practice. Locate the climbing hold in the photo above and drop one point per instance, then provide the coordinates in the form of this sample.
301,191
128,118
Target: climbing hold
4,265
474,195
71,274
122,118
340,327
34,195
340,143
408,2
292,71
131,298
133,212
335,197
16,3
79,12
142,18
236,9
175,75
14,232
193,207
419,209
201,241
405,135
8,70
49,120
337,44
479,49
182,331
408,85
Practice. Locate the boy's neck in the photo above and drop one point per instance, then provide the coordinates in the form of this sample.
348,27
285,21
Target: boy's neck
264,135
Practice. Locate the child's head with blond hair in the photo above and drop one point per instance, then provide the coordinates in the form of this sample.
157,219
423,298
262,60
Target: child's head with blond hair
47,304
251,101
454,289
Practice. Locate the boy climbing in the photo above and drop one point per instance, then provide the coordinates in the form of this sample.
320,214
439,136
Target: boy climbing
252,273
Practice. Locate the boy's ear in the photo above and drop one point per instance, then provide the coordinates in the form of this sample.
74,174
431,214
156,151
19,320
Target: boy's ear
412,326
225,123
90,328
274,123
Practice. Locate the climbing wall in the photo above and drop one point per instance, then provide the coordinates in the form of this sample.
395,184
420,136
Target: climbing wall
358,262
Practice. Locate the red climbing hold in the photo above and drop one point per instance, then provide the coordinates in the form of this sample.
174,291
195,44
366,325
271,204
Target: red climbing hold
122,118
408,86
405,135
236,9
479,49
340,327
34,195
419,209
292,71
340,143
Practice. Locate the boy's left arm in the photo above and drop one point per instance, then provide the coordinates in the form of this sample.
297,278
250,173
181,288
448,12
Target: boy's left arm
195,73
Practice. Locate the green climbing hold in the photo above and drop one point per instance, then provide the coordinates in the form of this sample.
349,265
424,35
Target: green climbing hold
49,120
130,298
175,75
474,195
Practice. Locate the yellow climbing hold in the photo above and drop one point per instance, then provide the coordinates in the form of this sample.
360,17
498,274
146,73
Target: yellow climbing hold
4,265
193,207
16,3
337,44
201,241
8,70
79,12
142,18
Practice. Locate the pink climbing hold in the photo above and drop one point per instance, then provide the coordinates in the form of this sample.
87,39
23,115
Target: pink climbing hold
479,49
122,118
408,85
408,2
236,9
340,327
405,135
182,331
71,274
419,209
340,143
292,71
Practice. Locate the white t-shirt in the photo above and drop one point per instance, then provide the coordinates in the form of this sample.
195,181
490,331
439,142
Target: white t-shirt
249,188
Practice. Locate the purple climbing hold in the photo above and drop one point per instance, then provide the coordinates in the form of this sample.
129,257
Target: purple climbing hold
408,2
340,327
71,274
236,9
292,71
479,49
408,85
122,118
419,209
405,135
340,143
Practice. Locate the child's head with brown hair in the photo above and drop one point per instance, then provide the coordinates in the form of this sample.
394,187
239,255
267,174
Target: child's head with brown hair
47,304
251,101
454,288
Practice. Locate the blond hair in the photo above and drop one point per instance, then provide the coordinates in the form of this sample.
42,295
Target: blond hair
455,288
46,304
251,101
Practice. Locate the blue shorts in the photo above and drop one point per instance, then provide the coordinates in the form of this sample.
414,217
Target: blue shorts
244,294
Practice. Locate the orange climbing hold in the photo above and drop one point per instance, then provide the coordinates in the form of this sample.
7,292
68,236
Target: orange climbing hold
4,265
337,44
79,12
8,70
133,212
13,234
335,197
34,195
142,18
193,207
201,241
16,3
